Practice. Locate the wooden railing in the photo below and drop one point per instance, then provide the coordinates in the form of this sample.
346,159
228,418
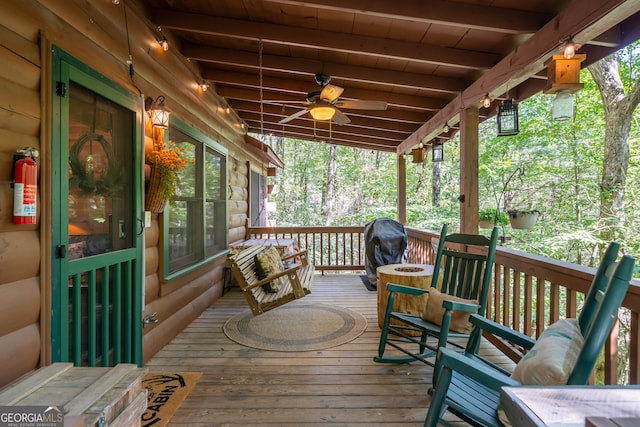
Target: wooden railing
329,248
529,292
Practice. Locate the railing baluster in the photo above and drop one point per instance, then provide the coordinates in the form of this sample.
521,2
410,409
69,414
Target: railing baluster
528,305
554,307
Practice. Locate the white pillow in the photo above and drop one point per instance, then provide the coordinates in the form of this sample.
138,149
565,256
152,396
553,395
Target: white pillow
553,356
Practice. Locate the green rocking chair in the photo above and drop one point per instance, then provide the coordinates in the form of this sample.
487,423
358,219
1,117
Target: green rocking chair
462,270
564,354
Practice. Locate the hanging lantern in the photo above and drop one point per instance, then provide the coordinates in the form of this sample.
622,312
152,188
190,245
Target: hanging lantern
418,155
508,118
437,152
563,80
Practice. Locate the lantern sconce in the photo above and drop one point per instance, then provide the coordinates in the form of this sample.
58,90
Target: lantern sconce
157,112
563,80
437,152
508,118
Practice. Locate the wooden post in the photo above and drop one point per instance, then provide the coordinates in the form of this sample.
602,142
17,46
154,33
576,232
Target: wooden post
402,189
469,194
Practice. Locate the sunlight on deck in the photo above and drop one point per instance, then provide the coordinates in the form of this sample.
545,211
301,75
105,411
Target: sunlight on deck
247,387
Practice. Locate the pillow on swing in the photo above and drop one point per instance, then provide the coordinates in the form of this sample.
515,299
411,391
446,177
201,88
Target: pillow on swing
268,262
434,311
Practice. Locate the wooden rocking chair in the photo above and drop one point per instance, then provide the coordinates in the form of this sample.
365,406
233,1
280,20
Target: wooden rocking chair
469,386
467,263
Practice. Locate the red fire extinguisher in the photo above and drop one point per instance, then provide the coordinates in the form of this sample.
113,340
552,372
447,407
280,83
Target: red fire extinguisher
25,186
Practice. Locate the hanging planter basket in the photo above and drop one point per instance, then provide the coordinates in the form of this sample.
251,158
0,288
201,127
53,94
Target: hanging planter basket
154,200
523,220
485,224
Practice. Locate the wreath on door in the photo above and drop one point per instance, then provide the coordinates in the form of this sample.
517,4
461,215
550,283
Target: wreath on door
108,182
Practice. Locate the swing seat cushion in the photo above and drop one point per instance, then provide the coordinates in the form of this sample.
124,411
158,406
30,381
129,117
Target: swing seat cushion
268,263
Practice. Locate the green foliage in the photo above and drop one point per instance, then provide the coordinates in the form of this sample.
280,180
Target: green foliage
493,216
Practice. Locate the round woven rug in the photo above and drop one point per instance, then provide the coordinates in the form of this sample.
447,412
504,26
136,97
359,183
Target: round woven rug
296,327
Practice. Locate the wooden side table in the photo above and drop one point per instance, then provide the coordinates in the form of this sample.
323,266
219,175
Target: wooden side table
415,275
569,406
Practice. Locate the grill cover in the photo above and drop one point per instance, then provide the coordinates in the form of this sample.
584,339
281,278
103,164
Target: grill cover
385,243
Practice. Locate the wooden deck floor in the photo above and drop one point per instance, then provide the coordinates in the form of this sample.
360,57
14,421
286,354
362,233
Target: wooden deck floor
341,386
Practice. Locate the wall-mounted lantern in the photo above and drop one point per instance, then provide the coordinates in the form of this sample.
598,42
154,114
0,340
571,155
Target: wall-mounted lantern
157,112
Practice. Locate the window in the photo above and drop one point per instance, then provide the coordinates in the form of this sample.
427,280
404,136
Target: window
196,221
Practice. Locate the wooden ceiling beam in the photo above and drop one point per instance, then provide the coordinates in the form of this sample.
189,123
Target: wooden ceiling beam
318,39
379,123
322,135
273,86
309,67
481,17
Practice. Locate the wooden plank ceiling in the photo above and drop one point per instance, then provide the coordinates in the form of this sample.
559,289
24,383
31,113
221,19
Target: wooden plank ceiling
427,60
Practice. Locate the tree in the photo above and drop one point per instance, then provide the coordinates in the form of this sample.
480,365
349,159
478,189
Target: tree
618,110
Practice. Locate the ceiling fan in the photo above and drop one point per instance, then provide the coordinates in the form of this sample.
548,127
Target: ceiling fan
323,104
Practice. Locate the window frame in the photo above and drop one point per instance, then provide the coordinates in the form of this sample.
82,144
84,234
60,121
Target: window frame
203,143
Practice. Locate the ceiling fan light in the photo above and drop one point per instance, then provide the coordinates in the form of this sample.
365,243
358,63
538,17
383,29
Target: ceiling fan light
322,113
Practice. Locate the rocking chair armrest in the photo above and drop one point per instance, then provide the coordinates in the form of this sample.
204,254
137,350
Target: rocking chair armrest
472,368
502,331
408,290
460,306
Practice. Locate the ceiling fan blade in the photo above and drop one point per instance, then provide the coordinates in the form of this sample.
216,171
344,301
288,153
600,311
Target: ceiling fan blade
340,118
331,92
360,104
293,116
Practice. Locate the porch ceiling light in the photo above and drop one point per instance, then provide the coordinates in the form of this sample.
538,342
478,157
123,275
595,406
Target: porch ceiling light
508,118
157,112
322,112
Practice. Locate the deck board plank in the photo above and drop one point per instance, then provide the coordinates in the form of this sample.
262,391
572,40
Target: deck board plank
247,387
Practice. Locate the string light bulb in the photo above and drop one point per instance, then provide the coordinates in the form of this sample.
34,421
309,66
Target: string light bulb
486,101
446,127
569,48
204,86
164,43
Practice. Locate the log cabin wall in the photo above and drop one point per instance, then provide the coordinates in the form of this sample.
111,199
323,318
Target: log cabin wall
94,33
